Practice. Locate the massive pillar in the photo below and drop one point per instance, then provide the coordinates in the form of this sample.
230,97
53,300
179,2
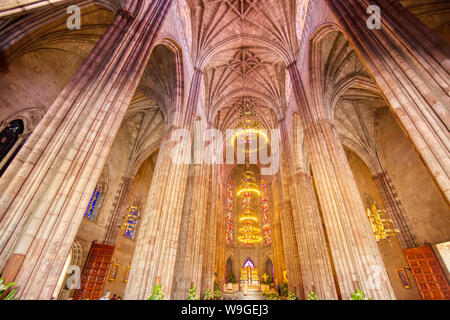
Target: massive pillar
46,188
293,266
213,210
191,246
159,235
279,260
355,254
220,259
394,209
316,270
411,66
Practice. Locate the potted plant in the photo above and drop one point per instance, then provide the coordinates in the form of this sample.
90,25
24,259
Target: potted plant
271,295
359,295
292,296
193,294
231,279
217,292
312,296
5,287
285,289
157,294
208,295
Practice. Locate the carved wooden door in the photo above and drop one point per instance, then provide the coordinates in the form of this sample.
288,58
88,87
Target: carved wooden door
430,278
95,272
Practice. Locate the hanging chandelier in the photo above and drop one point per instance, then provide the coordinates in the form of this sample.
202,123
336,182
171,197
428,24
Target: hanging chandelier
249,231
248,184
248,127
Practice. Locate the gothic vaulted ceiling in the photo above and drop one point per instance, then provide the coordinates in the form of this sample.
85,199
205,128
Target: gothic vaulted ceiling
242,46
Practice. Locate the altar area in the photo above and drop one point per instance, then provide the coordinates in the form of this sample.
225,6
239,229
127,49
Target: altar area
249,279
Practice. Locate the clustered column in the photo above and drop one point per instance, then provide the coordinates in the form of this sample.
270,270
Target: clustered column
410,65
316,271
159,235
355,254
45,190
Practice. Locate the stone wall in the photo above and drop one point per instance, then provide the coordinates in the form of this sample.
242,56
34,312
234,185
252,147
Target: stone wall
123,253
426,210
390,249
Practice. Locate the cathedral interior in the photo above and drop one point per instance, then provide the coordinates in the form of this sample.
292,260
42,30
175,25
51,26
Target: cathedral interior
329,119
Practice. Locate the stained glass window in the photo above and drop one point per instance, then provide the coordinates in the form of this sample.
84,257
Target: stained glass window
94,204
132,220
265,215
229,228
249,263
8,139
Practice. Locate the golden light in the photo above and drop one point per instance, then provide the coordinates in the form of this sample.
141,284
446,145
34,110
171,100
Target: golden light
247,132
250,239
251,218
250,229
249,190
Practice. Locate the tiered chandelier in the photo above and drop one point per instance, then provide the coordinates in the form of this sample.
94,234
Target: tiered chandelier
248,127
249,232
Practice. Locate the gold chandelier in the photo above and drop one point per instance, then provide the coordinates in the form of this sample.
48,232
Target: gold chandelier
248,184
249,125
249,231
250,239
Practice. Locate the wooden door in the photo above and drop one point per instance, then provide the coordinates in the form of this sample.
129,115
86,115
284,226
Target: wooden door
430,278
95,272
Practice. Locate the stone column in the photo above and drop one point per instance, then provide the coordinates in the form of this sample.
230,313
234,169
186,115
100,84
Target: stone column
213,210
50,181
193,235
411,66
220,236
317,273
277,240
291,252
395,210
355,253
158,239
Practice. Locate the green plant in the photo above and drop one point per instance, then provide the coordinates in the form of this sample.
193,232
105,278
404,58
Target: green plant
359,295
271,295
5,287
285,289
231,278
208,295
157,294
193,294
312,296
292,296
217,291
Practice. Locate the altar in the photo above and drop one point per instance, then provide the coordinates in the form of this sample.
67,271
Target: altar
250,279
